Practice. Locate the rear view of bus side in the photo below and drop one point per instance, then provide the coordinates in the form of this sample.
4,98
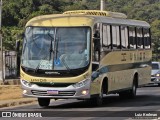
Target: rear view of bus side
85,54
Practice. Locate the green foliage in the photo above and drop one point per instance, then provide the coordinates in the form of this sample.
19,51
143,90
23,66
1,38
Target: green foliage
16,13
10,35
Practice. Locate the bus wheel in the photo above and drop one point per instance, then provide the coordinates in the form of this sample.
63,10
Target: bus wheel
130,93
98,101
43,102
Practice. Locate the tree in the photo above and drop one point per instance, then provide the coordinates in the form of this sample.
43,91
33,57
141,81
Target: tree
16,13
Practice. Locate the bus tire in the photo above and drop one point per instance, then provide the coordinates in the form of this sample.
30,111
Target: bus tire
98,101
43,102
132,92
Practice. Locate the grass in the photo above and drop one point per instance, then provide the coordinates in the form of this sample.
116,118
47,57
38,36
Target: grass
8,92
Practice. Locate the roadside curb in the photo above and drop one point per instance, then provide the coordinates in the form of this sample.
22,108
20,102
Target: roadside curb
11,103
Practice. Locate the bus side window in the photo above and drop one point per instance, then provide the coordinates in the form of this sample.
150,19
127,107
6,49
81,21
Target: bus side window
147,41
139,38
115,37
106,38
124,37
132,38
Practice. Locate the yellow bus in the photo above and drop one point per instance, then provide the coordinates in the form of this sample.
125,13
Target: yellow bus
84,54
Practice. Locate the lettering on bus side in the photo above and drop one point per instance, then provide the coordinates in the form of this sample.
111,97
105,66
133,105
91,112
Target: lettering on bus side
131,56
123,57
141,56
38,80
144,56
138,56
135,56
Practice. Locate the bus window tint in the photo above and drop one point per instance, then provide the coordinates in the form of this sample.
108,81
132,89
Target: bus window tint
124,37
147,42
115,37
139,38
106,44
132,38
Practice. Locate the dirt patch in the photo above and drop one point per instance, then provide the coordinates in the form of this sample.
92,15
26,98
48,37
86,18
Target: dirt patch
11,95
8,92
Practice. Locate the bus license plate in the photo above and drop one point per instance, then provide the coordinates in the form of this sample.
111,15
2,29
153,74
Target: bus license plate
52,92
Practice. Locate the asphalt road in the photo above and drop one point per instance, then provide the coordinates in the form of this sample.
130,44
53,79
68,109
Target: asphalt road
145,106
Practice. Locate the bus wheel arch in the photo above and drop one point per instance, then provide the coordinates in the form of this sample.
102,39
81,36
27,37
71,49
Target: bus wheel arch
133,90
131,93
104,85
98,101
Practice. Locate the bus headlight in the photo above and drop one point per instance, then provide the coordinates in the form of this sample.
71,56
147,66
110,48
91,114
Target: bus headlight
81,83
157,75
26,83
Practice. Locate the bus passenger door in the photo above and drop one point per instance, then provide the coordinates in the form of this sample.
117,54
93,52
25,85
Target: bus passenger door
96,42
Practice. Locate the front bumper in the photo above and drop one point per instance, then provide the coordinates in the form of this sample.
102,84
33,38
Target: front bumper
69,92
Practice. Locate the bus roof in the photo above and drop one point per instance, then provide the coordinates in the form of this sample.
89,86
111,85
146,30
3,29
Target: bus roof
97,13
83,19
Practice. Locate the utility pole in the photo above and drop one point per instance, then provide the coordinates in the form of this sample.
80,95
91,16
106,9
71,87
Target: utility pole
102,5
1,41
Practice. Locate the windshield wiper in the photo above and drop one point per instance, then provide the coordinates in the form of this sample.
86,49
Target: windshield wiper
50,53
57,42
51,47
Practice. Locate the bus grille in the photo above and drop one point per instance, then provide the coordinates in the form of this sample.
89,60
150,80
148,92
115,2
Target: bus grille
52,85
60,93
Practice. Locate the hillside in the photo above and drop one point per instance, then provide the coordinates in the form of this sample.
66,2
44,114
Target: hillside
16,13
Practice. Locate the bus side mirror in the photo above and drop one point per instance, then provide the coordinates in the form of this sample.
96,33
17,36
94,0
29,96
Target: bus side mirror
19,37
17,45
18,57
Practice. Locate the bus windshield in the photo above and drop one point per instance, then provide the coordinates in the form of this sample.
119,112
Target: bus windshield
49,48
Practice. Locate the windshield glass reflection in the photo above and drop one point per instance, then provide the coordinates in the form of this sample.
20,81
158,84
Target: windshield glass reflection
56,48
